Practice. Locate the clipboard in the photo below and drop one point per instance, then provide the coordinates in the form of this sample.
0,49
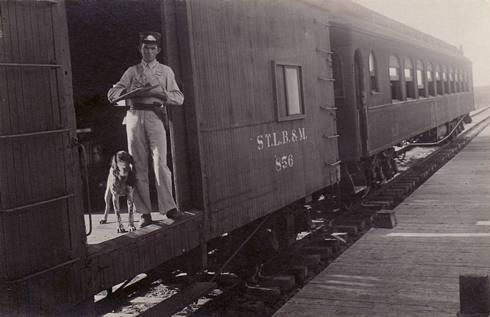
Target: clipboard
130,94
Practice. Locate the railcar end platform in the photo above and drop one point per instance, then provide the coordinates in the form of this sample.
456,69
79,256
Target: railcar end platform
443,232
113,257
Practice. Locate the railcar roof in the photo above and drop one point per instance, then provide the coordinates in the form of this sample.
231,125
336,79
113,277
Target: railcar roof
354,15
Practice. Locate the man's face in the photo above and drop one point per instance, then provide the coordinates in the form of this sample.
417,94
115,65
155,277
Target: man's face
149,52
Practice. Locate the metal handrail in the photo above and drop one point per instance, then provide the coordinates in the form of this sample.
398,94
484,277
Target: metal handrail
438,142
30,65
28,134
87,187
35,204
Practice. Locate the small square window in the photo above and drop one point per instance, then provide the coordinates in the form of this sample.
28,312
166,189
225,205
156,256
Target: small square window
394,74
420,79
289,91
408,74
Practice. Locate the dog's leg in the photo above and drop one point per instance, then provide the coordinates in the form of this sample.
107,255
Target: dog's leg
131,210
107,198
120,226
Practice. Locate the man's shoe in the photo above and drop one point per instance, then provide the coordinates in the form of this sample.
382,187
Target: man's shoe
145,220
174,214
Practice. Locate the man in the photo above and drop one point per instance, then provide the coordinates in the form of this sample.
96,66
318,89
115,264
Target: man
145,130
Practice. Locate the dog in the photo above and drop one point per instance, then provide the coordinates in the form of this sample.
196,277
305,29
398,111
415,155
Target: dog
120,182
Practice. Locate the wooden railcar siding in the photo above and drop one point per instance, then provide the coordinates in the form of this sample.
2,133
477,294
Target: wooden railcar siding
184,134
234,44
38,162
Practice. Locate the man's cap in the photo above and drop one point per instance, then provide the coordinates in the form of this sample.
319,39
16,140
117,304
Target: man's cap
150,38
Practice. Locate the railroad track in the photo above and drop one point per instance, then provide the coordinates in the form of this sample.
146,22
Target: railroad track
280,276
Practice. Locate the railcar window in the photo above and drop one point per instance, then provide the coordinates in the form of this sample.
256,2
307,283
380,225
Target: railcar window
395,79
445,81
420,79
373,72
430,81
409,79
462,83
289,91
451,81
457,80
438,81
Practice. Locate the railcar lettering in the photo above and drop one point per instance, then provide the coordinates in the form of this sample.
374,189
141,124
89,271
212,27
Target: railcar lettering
284,162
274,139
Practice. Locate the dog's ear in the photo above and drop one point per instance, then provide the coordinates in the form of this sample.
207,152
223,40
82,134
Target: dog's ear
114,162
131,160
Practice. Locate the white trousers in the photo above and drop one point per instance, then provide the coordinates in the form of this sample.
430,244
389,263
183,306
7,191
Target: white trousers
146,135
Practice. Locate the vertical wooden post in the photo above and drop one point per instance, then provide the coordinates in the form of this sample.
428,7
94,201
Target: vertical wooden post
474,296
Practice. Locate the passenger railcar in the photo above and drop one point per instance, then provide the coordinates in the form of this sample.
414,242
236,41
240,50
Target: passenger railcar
392,83
266,83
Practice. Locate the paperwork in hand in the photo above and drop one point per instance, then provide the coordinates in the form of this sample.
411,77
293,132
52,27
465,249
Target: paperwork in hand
130,94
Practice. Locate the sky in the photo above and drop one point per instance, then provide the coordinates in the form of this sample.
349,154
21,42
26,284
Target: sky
458,22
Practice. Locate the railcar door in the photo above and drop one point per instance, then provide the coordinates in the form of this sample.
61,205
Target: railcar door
42,231
360,102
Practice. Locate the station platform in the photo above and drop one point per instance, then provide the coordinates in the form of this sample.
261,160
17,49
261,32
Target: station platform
443,232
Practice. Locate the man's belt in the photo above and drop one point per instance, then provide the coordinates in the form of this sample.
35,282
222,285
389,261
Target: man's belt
146,107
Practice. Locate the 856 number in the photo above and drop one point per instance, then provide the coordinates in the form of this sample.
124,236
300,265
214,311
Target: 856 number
284,162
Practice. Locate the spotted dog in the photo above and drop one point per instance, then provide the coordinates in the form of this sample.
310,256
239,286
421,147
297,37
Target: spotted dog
120,182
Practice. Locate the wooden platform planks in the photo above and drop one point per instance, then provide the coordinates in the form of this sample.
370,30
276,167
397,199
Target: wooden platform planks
413,270
126,255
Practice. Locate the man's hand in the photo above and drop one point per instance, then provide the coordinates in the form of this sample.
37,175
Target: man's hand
162,96
156,92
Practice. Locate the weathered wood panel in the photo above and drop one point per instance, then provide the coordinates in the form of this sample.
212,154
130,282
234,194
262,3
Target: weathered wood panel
186,145
41,220
114,261
234,45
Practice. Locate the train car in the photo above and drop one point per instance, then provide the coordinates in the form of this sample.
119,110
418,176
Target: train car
257,132
392,84
264,139
42,228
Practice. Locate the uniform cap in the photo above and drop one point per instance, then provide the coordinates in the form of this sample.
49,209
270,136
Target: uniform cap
150,38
